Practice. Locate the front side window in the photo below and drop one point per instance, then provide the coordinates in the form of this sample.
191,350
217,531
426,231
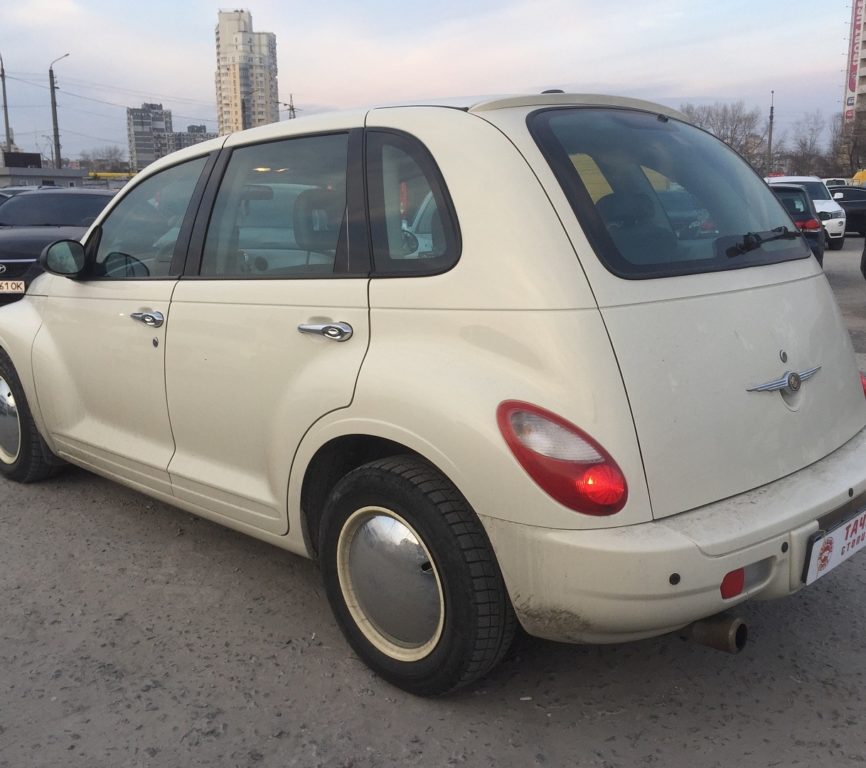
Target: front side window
280,211
413,226
137,239
658,197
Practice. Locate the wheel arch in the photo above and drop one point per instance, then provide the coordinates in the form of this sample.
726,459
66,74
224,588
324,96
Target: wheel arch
19,323
332,461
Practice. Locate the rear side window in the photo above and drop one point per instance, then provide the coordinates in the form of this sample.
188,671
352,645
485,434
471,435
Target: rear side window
658,197
413,227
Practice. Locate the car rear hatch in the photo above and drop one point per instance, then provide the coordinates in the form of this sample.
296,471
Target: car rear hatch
734,355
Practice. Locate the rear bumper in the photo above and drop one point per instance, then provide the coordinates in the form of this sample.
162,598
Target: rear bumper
638,581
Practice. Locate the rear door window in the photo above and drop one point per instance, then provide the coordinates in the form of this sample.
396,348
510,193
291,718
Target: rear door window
658,197
281,211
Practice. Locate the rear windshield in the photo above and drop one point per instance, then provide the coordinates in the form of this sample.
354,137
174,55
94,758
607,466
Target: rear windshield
32,209
796,202
816,189
658,197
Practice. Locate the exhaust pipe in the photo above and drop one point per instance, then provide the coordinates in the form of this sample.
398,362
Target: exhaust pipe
724,633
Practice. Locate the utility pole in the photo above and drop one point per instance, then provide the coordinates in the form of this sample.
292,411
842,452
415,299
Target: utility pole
770,137
5,108
57,159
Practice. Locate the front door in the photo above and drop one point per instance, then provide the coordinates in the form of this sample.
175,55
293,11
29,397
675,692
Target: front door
99,357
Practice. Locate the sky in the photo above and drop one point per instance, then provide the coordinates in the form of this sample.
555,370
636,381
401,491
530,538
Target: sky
337,54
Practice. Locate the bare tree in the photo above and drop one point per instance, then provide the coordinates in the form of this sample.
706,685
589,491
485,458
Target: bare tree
107,158
806,156
734,124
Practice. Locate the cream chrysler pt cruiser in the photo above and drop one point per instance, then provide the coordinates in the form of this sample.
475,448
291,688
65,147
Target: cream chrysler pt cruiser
555,360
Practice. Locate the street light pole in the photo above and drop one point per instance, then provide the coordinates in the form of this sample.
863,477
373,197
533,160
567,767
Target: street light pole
770,137
5,108
57,159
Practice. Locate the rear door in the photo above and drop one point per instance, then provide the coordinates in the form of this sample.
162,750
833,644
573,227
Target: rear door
270,325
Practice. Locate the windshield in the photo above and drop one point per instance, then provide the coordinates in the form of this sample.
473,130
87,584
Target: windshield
33,209
658,197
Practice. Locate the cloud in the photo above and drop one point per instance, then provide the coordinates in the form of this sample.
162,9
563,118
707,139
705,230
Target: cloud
42,13
344,55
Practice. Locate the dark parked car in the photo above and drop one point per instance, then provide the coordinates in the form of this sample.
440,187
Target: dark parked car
802,210
31,220
853,200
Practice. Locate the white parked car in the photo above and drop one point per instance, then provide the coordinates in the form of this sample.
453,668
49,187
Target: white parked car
832,214
570,406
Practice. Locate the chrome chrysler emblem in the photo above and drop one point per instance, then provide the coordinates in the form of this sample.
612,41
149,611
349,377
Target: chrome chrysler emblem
790,381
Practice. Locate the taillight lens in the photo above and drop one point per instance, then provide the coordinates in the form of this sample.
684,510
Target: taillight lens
863,382
809,225
566,462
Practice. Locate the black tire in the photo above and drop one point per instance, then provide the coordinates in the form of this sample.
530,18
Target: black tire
836,243
24,456
473,618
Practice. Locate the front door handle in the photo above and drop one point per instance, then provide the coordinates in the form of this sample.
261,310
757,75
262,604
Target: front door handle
151,319
333,331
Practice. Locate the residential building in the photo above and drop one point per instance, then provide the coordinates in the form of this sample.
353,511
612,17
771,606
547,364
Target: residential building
148,128
855,80
246,76
194,134
151,135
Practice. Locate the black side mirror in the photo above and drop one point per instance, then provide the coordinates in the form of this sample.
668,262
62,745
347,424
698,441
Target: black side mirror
63,257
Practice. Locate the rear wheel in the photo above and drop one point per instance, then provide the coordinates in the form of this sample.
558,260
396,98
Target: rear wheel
24,456
412,579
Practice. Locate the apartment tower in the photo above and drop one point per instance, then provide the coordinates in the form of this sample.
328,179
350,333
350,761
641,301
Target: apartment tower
246,76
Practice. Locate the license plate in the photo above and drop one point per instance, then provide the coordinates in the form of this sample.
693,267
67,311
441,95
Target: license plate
11,286
827,549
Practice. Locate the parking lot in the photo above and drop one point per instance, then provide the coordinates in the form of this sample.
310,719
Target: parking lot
133,634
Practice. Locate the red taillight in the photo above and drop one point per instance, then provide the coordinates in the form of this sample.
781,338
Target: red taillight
809,225
863,382
566,462
732,584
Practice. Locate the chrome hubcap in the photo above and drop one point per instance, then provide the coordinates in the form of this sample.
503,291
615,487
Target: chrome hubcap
10,426
390,584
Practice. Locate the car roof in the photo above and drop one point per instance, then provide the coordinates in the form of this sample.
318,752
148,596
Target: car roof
68,191
786,179
338,120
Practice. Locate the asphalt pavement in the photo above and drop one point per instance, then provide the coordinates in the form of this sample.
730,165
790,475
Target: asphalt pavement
133,634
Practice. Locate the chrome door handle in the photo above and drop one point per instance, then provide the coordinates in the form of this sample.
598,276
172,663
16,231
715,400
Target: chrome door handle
152,319
333,331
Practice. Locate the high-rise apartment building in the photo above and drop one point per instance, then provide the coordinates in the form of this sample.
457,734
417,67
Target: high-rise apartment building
246,76
855,80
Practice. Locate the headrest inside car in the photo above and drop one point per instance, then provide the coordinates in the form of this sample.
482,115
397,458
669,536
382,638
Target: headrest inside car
318,215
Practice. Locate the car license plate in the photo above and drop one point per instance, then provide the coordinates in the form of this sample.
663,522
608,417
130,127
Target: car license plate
11,286
827,549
